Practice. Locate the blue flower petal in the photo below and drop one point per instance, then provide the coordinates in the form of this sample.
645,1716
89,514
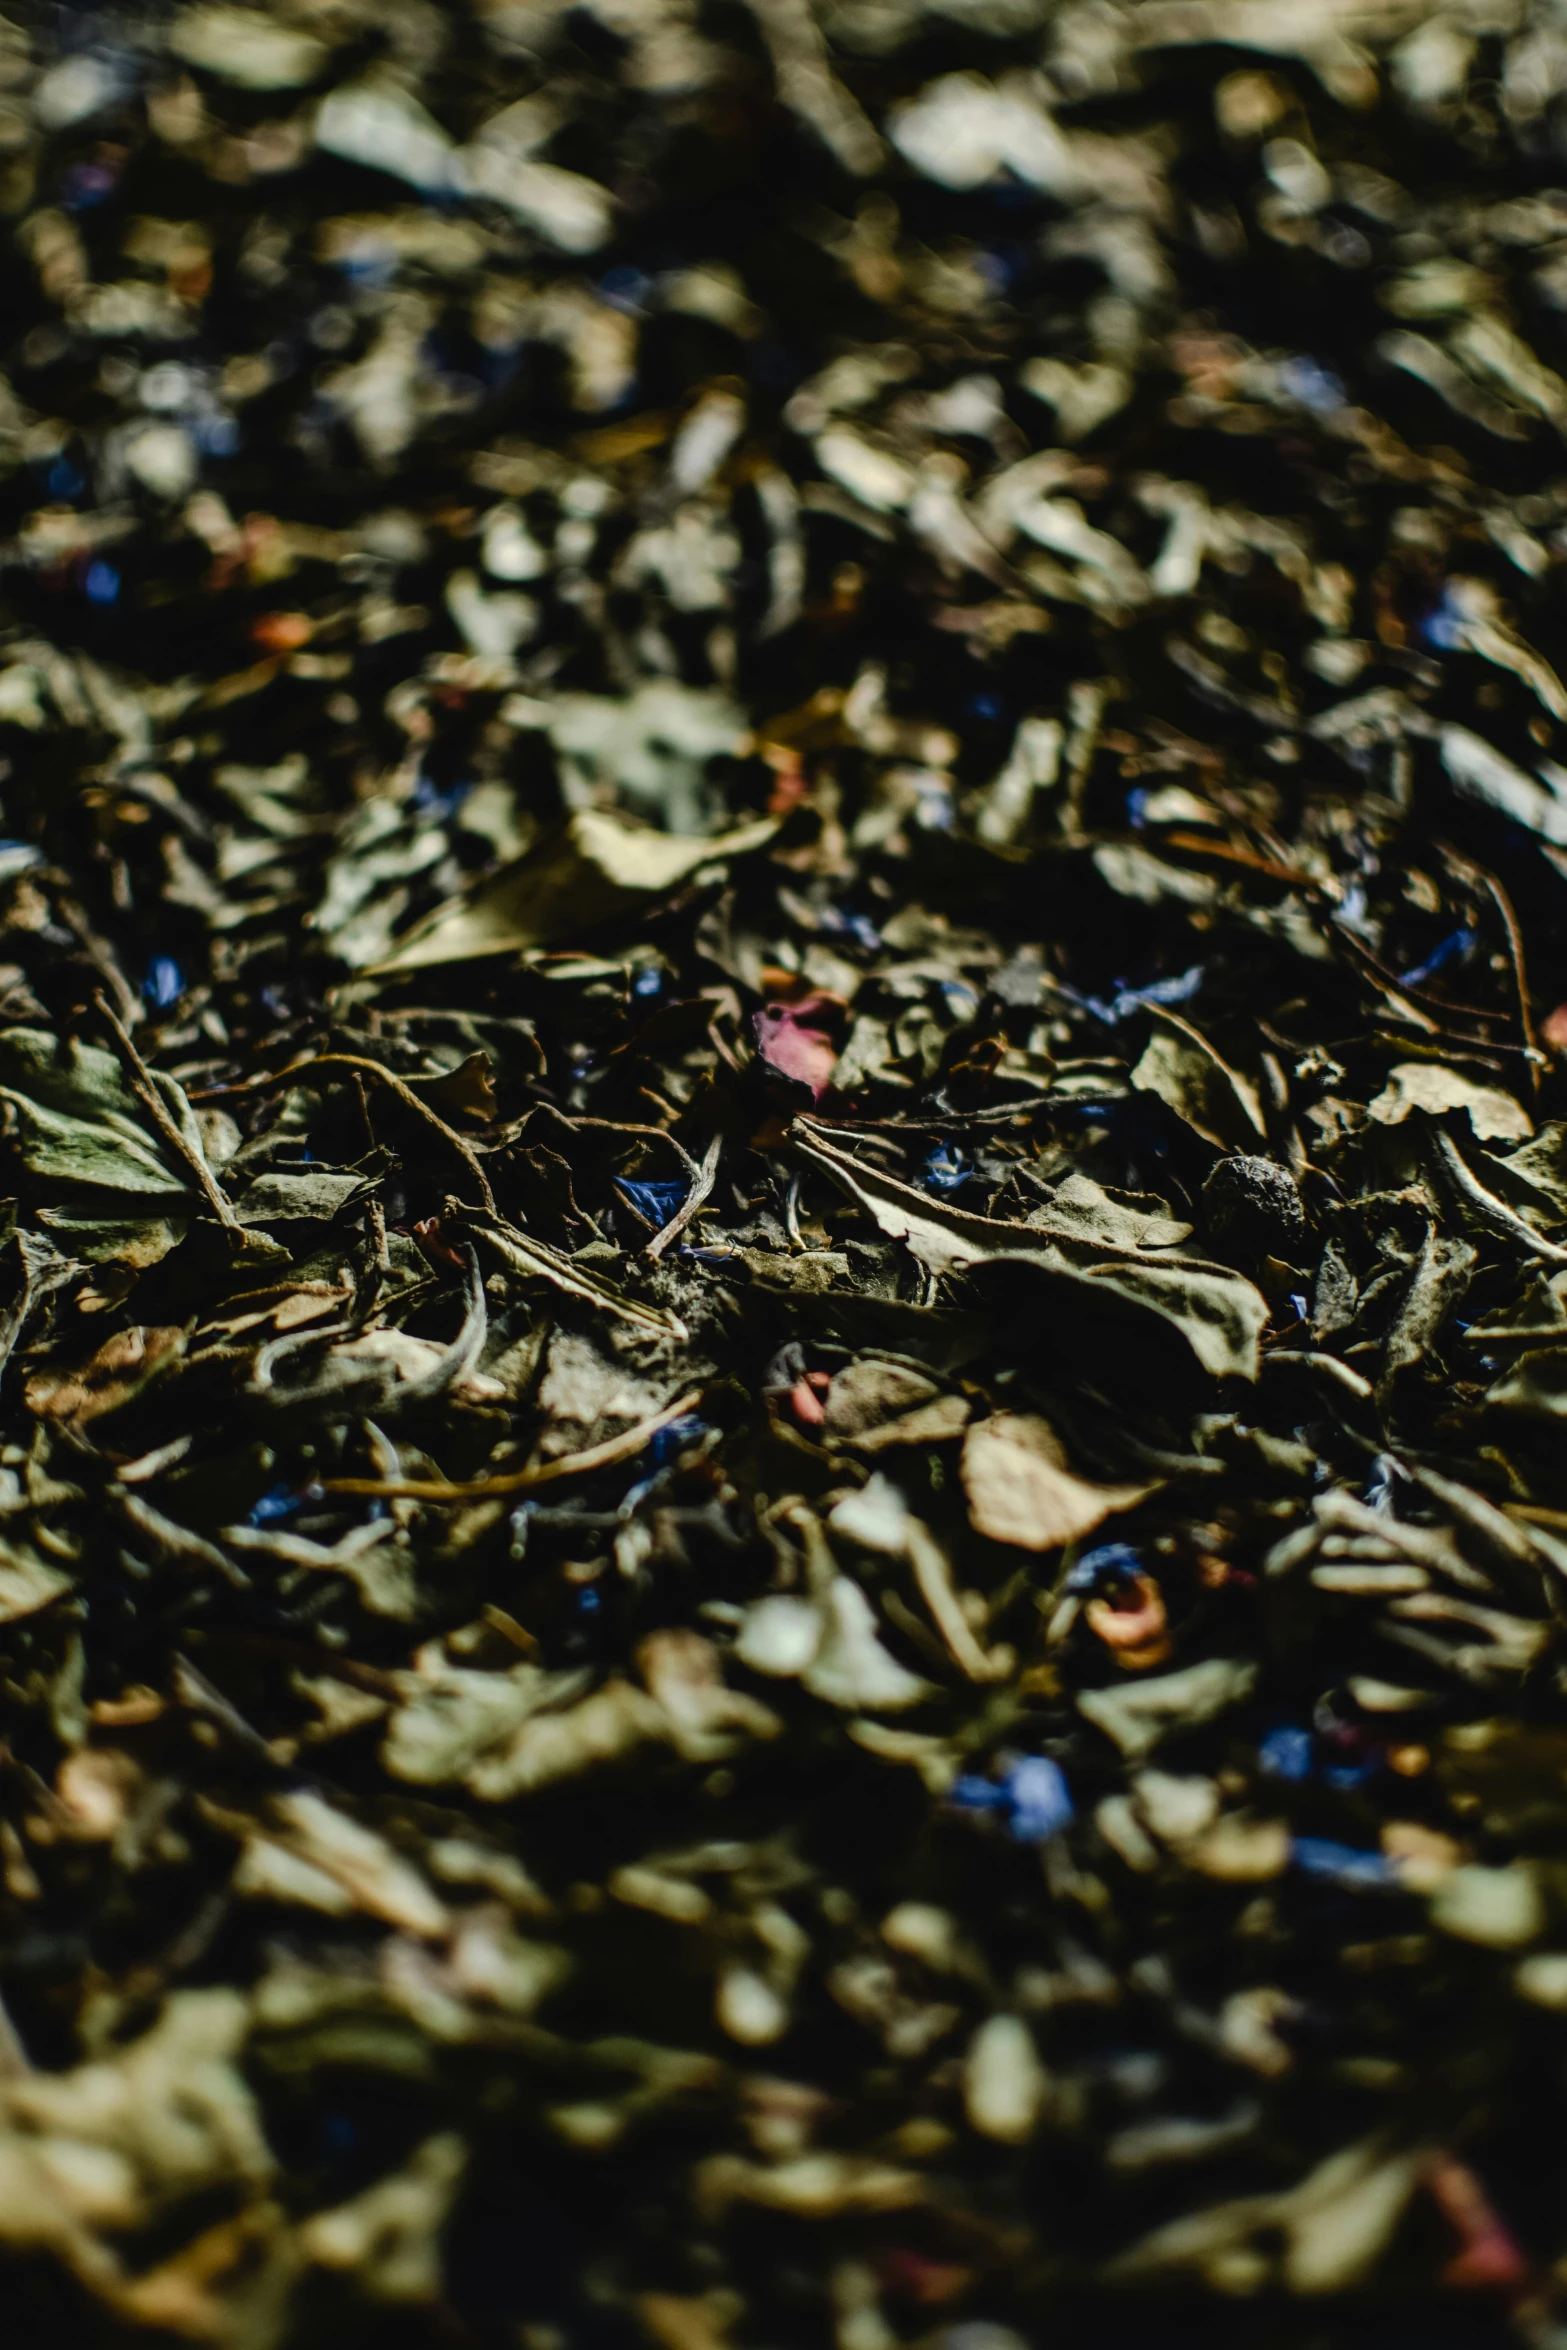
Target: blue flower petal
1179,988
1342,1864
164,983
1285,1753
1041,1804
1451,950
1102,1565
945,1170
975,1794
281,1501
656,1201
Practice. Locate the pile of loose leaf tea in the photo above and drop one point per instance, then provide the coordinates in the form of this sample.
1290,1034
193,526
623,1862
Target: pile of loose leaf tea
783,1121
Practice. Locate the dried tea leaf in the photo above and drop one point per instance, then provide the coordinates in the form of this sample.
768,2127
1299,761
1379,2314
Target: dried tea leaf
241,45
1183,1069
533,1260
389,2238
118,2143
111,1377
1539,1167
1535,1384
318,1855
1217,1312
850,1667
503,700
447,1718
1004,2083
1332,2227
279,1197
613,1724
1427,1085
1139,1714
78,1124
1021,1487
598,869
27,1582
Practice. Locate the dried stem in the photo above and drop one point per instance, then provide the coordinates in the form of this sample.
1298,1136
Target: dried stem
140,1079
701,1186
300,1072
656,1133
572,1464
1463,868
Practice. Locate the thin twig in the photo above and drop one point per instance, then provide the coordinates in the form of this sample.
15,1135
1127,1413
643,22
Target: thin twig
792,1212
1231,853
175,1541
1466,1056
1531,1514
571,1464
658,1134
299,1071
152,1101
364,1109
1489,1208
94,948
701,1185
932,1571
1504,906
1463,867
1418,1003
939,1120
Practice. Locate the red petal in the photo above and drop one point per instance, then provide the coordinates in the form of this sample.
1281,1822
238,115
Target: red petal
794,1049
